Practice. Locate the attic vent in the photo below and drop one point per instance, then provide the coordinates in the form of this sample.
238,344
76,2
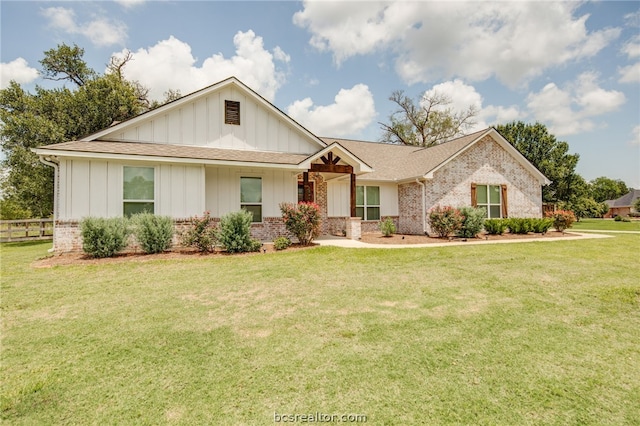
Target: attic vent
232,112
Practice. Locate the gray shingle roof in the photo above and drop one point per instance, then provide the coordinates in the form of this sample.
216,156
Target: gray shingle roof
177,151
626,200
400,162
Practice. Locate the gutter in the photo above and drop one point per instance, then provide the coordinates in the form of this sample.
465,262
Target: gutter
53,162
424,215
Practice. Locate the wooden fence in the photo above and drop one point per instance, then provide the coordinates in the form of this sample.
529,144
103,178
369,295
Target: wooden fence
26,230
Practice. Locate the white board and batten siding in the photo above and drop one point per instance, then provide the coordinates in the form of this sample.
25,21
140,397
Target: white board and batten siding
338,198
95,188
200,122
222,193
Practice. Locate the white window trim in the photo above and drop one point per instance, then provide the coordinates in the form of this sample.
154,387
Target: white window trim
155,179
261,203
488,204
365,205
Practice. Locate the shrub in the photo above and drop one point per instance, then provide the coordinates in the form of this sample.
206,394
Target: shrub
618,218
541,225
519,225
200,234
495,226
387,227
281,243
472,221
445,220
302,220
154,233
562,219
626,219
104,237
235,232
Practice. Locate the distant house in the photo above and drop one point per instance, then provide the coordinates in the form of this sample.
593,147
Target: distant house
624,205
225,148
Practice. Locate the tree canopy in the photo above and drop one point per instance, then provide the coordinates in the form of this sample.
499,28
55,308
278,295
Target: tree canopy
425,122
50,116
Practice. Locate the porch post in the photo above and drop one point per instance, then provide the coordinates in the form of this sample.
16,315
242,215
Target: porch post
353,195
306,191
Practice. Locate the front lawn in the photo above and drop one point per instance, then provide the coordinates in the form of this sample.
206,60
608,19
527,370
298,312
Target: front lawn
537,333
606,225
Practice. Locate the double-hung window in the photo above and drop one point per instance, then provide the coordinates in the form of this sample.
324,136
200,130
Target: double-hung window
138,190
492,198
368,202
251,196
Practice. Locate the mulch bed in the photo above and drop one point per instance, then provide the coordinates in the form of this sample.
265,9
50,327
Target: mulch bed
378,238
178,253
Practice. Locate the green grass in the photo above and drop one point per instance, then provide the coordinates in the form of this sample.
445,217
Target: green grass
537,333
607,225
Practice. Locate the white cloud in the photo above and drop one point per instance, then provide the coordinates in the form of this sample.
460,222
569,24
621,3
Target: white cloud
513,41
170,64
636,135
570,110
128,4
630,73
353,110
464,96
18,70
101,31
632,47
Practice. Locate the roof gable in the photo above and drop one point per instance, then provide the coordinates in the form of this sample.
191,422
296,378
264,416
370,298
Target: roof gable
198,119
405,163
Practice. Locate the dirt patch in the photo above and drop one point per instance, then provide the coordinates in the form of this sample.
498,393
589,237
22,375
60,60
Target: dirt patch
378,238
178,253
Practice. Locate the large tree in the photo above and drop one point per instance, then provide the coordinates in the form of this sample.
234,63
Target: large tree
426,121
49,116
550,156
603,188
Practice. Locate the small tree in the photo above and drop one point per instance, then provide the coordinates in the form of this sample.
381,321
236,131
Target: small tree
302,220
387,227
562,219
444,221
473,219
235,232
636,205
200,234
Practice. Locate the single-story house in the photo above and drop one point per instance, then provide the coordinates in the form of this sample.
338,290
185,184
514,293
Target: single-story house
226,148
623,206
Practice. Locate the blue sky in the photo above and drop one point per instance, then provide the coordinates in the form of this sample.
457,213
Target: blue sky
573,66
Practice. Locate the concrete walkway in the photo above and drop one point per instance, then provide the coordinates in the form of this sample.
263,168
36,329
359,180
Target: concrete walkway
610,231
328,240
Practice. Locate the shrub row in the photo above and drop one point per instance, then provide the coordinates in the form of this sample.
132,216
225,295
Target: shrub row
103,237
467,222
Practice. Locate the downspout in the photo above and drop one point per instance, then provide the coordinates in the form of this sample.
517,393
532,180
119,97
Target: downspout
52,162
424,215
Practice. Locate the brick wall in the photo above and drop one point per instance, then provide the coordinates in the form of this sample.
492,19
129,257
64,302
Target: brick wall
410,209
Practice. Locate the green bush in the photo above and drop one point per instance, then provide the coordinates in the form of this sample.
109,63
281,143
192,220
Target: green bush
445,220
541,225
495,226
626,219
234,232
104,237
520,225
281,243
154,233
200,234
387,227
618,218
472,221
302,220
562,219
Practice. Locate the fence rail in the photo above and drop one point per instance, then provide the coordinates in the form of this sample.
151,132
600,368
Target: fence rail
26,230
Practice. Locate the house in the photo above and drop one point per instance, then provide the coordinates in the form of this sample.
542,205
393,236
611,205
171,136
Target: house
225,148
623,206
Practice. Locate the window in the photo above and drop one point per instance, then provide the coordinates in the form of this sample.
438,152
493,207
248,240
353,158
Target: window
138,190
301,191
251,196
232,112
493,198
368,202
